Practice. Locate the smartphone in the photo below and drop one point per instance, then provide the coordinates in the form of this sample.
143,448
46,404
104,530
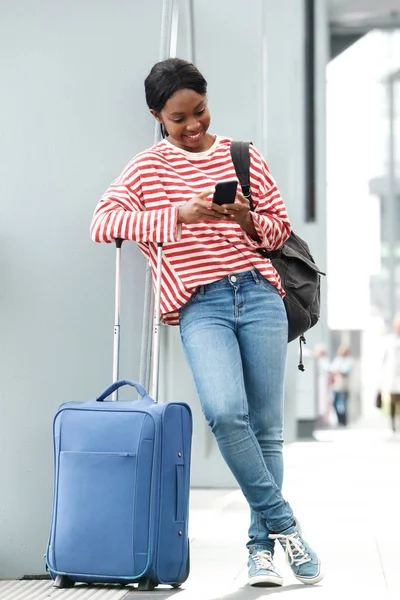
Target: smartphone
225,192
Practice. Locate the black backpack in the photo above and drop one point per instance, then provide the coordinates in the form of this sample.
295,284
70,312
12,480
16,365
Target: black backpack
301,278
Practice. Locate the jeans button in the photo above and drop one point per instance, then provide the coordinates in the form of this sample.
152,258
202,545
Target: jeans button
233,278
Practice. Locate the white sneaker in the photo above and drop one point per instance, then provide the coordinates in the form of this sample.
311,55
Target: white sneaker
302,559
262,572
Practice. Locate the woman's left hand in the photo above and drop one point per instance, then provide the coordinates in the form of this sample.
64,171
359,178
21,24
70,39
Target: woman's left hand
239,211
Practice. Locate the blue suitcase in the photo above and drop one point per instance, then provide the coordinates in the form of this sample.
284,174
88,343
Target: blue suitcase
121,485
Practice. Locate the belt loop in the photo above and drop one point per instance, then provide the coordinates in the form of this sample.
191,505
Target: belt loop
202,290
256,276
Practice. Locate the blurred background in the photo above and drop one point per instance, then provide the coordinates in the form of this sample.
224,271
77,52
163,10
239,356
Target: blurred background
315,84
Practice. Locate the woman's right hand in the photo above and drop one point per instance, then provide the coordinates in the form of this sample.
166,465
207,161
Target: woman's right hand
199,209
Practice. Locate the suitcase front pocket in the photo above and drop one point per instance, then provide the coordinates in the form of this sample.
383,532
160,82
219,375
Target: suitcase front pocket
94,531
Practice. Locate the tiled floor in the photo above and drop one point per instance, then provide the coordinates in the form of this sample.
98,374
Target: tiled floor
345,489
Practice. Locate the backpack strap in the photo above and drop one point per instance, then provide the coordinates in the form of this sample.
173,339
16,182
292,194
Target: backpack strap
241,161
240,154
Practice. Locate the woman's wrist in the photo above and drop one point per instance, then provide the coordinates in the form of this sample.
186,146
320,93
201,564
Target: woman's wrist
247,221
180,219
248,226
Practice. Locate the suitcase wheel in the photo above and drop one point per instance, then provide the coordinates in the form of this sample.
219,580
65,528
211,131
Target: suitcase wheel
62,581
146,585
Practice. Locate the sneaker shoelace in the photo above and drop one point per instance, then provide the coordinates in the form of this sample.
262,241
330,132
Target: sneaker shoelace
263,560
294,548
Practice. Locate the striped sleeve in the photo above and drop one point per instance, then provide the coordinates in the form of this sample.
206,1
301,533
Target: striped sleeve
121,213
270,217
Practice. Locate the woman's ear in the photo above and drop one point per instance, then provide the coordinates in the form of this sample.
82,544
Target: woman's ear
156,115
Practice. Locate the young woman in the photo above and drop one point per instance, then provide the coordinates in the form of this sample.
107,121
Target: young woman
226,298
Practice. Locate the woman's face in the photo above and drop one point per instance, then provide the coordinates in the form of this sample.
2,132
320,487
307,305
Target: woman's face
186,118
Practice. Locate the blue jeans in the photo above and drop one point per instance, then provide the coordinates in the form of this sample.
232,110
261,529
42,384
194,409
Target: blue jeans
234,334
340,400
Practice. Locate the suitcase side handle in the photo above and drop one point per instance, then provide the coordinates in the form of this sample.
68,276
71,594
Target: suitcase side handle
117,384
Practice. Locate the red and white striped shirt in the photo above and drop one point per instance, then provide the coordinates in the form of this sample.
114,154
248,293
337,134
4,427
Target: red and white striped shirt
142,205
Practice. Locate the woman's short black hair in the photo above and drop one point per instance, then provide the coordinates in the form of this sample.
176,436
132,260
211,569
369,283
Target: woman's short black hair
169,76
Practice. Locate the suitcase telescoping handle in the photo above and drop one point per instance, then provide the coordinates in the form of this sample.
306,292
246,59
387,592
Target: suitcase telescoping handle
155,358
118,244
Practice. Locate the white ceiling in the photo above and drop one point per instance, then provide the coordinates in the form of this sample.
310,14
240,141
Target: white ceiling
339,8
360,13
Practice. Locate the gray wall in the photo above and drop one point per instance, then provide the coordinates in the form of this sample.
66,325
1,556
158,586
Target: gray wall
72,113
